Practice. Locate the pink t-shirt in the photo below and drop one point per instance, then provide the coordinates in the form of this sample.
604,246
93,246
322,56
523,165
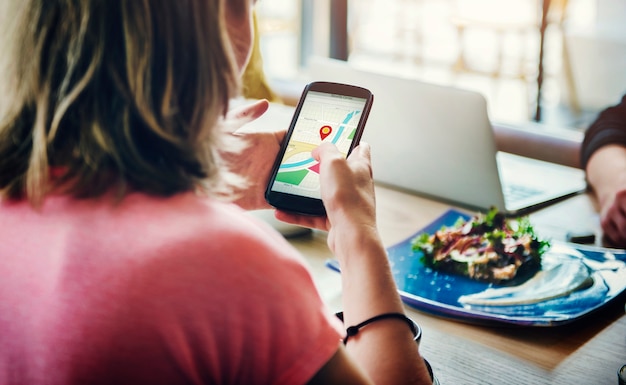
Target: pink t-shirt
154,291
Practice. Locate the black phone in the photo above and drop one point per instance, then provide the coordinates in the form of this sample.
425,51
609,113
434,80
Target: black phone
327,111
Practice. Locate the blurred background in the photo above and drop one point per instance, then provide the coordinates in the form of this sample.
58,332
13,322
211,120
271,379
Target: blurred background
555,62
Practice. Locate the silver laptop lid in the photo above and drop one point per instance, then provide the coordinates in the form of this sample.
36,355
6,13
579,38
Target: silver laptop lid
426,138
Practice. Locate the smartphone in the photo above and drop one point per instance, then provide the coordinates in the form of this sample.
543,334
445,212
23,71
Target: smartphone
326,112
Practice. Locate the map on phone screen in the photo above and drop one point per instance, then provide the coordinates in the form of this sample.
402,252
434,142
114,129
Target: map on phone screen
323,118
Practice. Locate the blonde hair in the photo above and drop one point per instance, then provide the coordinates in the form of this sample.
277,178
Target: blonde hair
123,93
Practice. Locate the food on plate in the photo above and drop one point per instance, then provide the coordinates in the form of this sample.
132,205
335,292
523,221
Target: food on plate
560,275
488,247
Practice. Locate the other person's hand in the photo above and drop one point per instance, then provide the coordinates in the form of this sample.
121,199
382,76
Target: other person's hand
613,219
606,173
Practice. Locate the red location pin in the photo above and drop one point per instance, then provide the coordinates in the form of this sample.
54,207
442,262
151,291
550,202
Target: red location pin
325,131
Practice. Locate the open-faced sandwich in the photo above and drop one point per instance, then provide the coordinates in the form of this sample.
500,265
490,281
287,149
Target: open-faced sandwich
487,247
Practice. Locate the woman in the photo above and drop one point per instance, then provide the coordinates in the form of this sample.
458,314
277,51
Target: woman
122,261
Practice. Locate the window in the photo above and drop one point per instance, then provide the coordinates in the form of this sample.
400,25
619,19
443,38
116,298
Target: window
491,46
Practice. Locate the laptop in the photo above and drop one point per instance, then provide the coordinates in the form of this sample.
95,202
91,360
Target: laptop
437,141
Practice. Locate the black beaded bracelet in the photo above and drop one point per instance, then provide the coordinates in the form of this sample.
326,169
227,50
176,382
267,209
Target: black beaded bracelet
354,330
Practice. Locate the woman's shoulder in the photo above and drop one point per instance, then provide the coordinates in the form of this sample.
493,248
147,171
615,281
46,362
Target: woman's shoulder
148,222
189,213
213,224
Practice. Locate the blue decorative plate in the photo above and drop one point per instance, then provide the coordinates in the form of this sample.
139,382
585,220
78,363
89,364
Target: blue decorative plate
550,303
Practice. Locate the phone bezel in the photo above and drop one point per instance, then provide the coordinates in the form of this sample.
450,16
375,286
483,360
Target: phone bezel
302,204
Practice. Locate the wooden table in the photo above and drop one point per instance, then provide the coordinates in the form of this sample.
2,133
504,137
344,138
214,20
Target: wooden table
587,351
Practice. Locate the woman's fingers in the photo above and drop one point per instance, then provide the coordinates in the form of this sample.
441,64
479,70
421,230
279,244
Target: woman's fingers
241,115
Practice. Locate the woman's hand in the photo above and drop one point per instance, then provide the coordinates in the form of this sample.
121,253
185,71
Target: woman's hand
386,352
347,190
253,162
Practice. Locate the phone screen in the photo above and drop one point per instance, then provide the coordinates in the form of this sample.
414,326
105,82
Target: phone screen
324,117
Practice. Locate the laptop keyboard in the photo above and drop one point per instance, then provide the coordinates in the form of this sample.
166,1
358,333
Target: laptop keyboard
517,192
